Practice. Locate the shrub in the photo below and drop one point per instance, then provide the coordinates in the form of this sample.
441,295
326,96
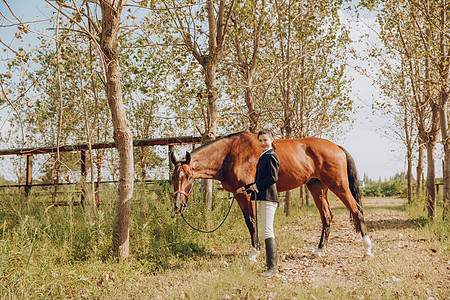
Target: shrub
393,187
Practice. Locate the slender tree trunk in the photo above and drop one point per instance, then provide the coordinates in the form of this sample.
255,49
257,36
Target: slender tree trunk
252,115
408,155
287,203
57,175
431,190
99,158
431,136
307,198
445,133
122,133
302,200
409,177
444,71
419,169
99,162
211,87
210,68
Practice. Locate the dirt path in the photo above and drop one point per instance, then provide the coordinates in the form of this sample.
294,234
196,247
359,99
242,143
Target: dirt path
404,255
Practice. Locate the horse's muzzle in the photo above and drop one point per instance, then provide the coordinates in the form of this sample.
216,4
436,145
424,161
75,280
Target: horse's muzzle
179,207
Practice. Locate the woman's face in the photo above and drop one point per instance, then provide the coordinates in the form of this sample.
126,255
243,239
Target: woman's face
265,141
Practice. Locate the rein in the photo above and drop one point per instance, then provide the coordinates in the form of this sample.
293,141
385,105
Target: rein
209,231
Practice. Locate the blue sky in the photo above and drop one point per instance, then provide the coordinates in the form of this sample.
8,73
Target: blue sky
377,156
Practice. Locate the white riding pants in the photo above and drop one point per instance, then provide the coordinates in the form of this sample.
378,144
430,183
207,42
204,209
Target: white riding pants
267,212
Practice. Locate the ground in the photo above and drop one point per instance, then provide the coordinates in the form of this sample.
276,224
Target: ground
408,262
402,253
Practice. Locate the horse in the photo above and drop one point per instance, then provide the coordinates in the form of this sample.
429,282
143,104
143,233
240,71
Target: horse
319,163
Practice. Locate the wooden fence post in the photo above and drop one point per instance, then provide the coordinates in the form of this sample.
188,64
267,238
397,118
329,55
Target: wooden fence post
83,176
171,166
29,176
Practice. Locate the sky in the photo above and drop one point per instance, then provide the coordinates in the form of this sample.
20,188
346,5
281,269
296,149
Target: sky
375,155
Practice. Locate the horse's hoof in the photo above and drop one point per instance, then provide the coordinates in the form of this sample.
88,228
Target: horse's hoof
316,253
368,256
253,259
253,256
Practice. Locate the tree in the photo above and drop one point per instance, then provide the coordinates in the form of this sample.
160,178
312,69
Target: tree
246,36
108,43
409,28
105,39
309,92
189,22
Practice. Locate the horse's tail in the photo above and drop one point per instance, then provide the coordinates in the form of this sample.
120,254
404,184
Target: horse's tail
353,182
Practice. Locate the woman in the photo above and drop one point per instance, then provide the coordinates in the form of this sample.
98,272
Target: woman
264,189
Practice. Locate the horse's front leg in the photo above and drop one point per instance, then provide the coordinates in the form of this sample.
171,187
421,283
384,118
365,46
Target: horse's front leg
249,212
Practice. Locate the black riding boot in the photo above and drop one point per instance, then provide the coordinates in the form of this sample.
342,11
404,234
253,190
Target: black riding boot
271,258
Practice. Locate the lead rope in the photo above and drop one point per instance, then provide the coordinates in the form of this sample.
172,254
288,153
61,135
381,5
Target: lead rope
258,245
210,231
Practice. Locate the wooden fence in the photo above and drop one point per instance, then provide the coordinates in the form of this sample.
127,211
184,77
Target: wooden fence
82,148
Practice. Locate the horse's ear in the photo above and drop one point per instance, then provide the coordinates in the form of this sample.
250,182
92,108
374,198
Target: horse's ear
188,157
172,158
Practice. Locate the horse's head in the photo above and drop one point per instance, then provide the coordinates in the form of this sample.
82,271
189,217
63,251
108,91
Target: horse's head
183,182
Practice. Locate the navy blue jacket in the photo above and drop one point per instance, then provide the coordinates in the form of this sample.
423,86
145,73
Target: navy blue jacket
266,177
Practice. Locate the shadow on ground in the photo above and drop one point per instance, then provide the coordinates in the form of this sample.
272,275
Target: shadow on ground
389,224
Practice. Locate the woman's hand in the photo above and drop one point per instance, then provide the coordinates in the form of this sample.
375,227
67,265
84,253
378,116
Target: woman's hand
240,190
243,189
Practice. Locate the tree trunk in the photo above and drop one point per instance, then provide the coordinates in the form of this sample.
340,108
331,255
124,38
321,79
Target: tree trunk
307,198
444,69
431,190
287,203
419,170
207,192
252,115
408,155
57,172
211,87
302,200
445,133
409,178
210,68
122,133
99,161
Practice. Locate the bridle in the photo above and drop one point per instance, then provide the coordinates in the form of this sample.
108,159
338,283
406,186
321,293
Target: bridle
184,193
180,191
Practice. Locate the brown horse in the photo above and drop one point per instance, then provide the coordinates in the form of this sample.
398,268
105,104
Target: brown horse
319,163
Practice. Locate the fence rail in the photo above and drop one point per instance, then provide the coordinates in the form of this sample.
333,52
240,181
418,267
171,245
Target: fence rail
82,148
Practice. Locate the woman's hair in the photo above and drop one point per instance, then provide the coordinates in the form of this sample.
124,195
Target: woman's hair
265,131
270,133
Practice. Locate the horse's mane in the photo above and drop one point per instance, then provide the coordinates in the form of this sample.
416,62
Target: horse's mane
220,139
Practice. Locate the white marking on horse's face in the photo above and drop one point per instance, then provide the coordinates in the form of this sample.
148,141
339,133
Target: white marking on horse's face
181,174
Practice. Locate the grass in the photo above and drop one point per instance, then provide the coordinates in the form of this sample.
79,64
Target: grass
65,252
437,227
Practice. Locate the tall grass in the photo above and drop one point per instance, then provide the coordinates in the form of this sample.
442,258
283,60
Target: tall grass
65,252
38,238
435,227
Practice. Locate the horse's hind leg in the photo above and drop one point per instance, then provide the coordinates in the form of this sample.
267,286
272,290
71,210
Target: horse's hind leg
356,211
319,192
